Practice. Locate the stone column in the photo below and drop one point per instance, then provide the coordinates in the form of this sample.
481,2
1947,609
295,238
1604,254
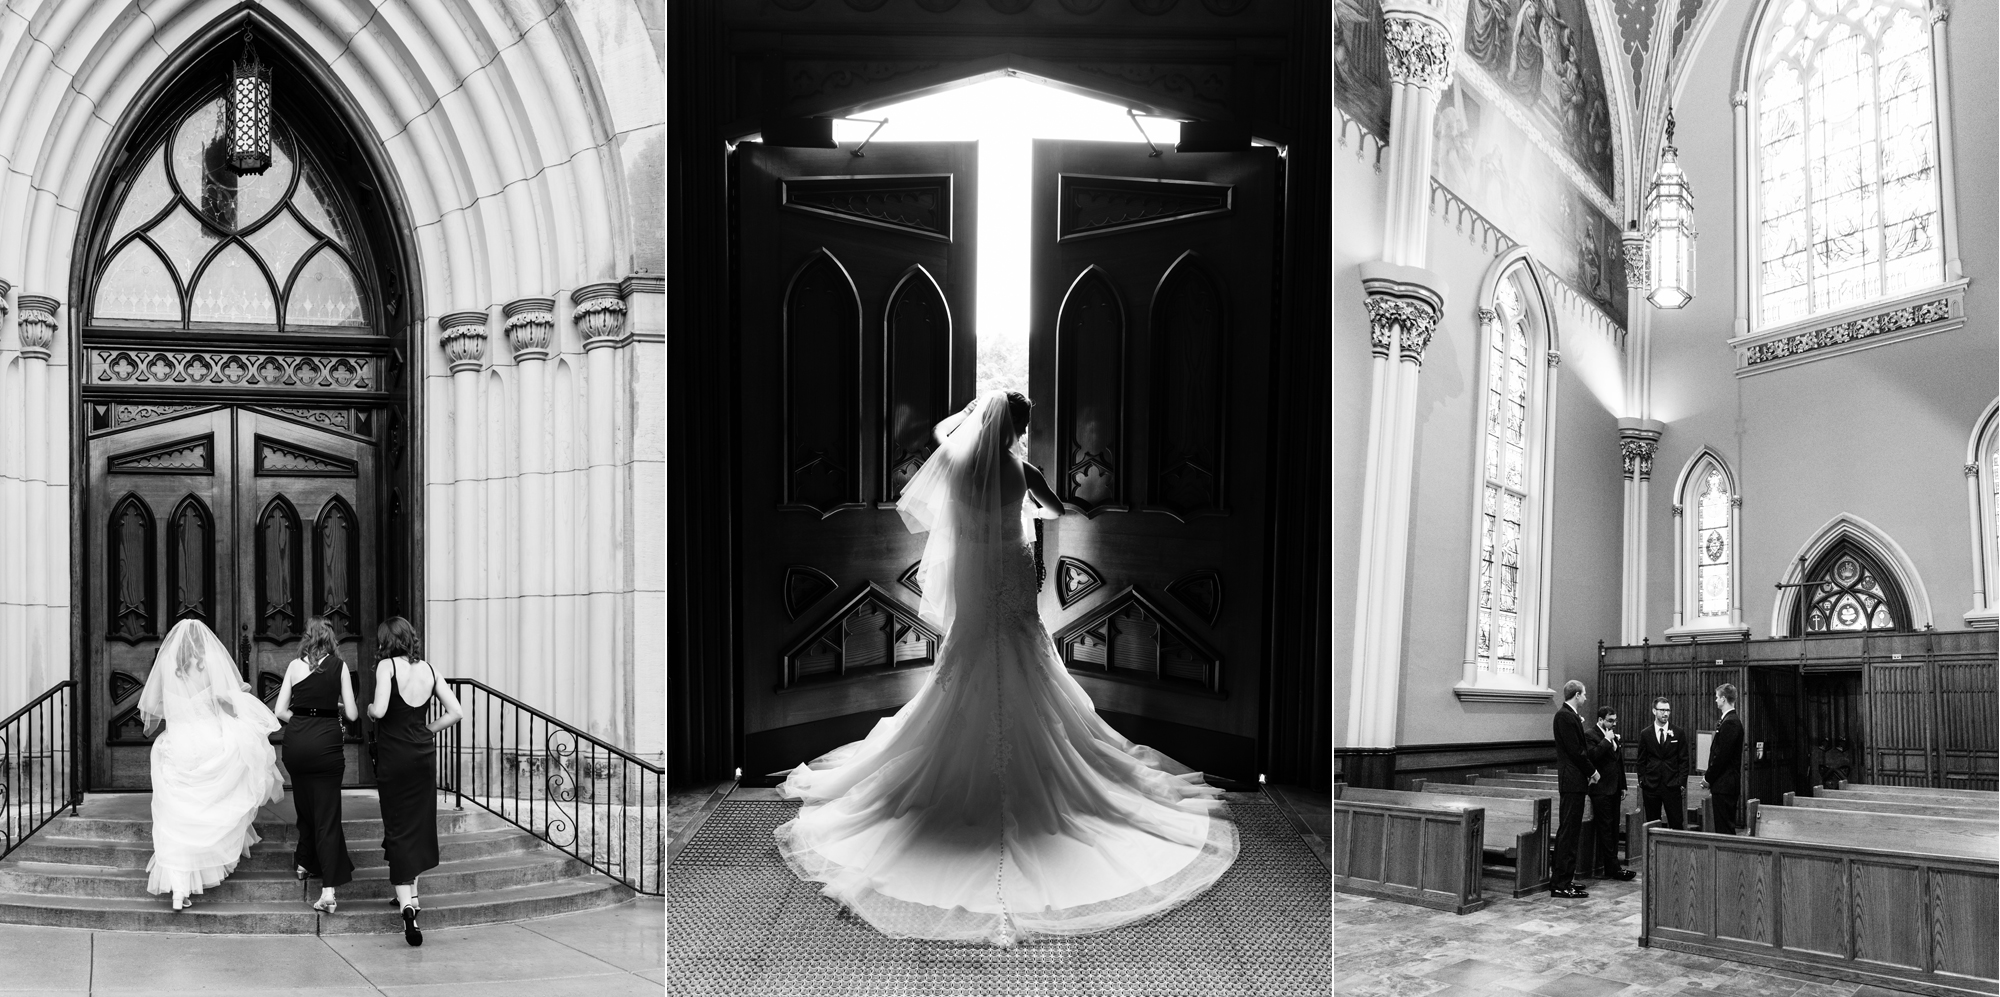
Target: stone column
1644,435
37,327
531,327
600,321
463,336
13,535
1739,102
1941,86
1638,440
1404,305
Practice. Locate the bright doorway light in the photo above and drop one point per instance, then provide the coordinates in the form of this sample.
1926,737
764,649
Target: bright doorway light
1004,115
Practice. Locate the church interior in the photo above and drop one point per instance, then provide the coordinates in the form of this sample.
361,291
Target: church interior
1666,363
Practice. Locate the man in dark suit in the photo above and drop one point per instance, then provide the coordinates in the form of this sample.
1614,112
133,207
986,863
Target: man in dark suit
1725,755
1607,794
1663,767
1576,769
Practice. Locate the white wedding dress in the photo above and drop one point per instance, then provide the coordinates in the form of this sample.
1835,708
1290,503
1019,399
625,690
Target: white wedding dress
997,805
212,767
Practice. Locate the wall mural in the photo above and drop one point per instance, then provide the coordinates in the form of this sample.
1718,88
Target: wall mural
1485,158
1360,72
1544,53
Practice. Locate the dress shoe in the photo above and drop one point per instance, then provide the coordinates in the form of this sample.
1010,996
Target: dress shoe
1569,892
1624,875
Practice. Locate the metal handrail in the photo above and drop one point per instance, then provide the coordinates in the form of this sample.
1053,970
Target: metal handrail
39,730
579,793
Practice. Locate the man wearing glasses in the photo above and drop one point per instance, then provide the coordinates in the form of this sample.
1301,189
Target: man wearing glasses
1663,766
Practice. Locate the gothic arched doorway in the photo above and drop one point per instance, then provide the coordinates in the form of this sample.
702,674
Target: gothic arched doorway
242,435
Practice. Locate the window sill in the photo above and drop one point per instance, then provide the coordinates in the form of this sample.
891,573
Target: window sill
1502,694
1696,635
1983,619
1938,308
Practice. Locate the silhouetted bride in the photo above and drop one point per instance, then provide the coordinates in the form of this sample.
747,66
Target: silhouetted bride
997,805
212,768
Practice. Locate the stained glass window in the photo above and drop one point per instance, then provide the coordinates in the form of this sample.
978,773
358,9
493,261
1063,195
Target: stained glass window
195,241
1845,146
1849,592
1713,547
1502,607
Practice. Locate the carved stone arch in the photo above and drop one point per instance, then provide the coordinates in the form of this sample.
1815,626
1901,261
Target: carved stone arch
1859,534
822,393
280,603
131,600
1520,265
1688,470
1190,391
191,562
336,574
916,376
1092,460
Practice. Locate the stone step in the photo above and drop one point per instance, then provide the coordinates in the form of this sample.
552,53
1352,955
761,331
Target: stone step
286,832
279,885
265,855
296,918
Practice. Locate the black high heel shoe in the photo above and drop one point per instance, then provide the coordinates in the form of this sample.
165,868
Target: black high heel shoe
411,933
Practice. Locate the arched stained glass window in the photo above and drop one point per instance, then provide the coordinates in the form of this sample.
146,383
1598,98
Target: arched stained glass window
1844,119
1849,592
1982,471
1707,599
195,243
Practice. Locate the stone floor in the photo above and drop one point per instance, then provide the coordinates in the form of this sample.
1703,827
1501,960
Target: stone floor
1538,946
611,952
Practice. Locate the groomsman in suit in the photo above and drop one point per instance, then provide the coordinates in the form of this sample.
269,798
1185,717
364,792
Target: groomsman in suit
1607,794
1663,767
1725,754
1576,769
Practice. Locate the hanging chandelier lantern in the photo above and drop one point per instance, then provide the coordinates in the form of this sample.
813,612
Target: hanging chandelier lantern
249,112
1669,231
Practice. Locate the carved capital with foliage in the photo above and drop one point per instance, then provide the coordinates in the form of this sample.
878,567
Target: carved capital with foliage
37,323
1404,305
1417,47
463,335
1637,454
531,326
600,315
1638,266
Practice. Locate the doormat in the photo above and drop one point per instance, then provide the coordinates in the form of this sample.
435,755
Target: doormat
739,924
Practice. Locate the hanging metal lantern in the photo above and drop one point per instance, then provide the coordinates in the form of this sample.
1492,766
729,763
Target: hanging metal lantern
249,112
1670,231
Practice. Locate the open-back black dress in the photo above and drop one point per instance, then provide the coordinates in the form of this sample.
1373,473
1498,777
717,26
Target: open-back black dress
406,779
316,761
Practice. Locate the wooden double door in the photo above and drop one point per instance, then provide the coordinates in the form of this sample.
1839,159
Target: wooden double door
247,518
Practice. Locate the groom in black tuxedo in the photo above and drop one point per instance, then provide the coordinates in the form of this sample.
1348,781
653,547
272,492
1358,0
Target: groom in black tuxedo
1663,767
1576,769
1725,754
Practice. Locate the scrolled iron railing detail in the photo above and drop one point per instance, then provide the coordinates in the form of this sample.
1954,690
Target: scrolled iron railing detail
596,802
38,775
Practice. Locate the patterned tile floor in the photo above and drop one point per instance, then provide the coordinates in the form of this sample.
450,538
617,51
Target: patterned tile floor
1537,946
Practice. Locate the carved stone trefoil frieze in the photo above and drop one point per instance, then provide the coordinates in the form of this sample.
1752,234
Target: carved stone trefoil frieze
463,336
531,326
37,324
599,315
231,369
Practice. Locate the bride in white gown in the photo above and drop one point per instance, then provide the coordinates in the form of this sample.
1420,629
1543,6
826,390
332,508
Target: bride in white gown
212,769
996,805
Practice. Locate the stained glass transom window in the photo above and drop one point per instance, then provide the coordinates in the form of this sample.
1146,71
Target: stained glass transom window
1505,491
197,243
1847,180
1713,548
1849,593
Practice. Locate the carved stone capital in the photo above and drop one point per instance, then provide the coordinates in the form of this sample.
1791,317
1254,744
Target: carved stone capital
1417,47
531,325
4,288
1555,358
1404,305
1940,11
1736,501
600,315
1638,457
1675,509
1972,470
1638,266
37,324
463,335
1740,98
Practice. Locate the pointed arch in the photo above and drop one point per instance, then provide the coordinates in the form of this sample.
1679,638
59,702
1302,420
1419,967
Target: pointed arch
1708,575
1092,462
191,561
336,559
1982,483
1190,390
280,605
822,394
916,376
131,604
1860,534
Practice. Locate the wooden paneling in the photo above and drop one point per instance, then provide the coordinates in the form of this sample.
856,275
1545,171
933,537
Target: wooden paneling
1898,717
1967,722
1960,927
1679,893
1190,389
1090,395
1812,903
1415,854
1884,933
822,395
1743,895
917,377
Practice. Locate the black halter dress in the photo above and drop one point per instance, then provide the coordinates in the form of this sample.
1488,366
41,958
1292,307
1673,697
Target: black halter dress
406,778
317,761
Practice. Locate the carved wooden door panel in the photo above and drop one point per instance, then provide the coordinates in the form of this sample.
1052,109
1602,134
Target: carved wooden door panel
1150,350
856,337
306,548
162,550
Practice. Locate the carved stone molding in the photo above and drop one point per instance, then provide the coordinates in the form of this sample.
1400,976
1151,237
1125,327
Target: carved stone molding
1418,50
463,335
531,325
1403,304
1638,265
232,369
1940,313
599,315
37,324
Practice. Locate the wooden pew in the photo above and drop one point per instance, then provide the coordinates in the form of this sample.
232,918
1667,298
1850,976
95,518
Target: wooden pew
1921,922
1989,795
1906,833
1917,809
1938,797
1420,853
1586,842
1517,833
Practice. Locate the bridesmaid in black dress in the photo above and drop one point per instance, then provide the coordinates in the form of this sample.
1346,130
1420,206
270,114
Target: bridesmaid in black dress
318,691
406,762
